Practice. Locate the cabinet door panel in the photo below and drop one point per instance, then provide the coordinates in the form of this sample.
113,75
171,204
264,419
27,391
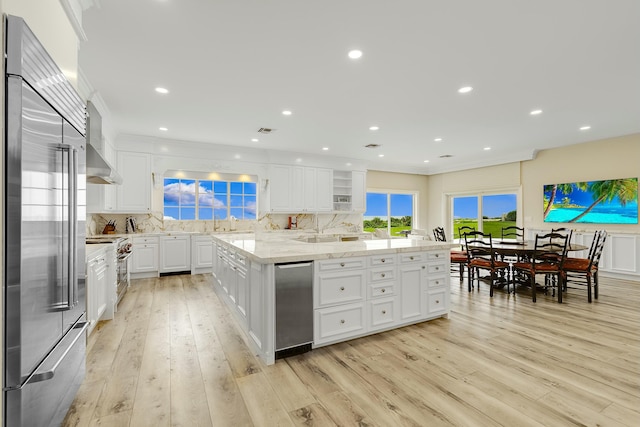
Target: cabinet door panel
134,195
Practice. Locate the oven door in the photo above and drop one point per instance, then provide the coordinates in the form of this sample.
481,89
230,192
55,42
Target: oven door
123,274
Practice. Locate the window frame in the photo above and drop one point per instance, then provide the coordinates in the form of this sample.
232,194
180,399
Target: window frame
389,192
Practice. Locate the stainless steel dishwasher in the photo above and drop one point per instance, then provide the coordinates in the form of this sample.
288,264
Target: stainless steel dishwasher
294,308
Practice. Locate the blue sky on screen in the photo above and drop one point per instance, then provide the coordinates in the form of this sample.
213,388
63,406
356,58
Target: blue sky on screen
401,205
493,206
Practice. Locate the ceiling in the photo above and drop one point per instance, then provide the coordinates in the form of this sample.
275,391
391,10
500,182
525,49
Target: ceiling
232,67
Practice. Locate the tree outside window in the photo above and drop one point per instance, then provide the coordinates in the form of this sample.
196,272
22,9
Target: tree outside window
392,212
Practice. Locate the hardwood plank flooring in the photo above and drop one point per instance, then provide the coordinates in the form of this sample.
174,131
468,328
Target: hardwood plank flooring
174,356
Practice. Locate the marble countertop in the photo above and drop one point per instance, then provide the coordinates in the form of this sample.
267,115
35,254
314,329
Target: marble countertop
93,250
278,249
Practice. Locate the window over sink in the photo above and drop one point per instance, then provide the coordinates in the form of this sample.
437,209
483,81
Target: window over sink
190,197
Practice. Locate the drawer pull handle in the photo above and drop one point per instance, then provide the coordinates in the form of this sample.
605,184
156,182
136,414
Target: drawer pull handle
383,290
437,268
423,267
437,255
382,275
411,258
342,264
437,301
382,260
384,311
342,288
342,321
437,282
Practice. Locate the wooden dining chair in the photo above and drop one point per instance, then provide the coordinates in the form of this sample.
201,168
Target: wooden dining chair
458,258
513,233
481,256
548,258
584,271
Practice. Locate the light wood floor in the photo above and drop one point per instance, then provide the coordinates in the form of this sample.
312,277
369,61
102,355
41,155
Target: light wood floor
174,356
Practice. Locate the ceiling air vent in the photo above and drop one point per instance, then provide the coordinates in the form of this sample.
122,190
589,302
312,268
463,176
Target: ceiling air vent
266,130
372,146
444,156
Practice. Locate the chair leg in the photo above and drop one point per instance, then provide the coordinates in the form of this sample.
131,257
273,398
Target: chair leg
491,279
533,287
461,272
560,287
588,287
595,285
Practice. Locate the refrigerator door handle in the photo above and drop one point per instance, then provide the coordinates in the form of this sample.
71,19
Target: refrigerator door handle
73,227
50,373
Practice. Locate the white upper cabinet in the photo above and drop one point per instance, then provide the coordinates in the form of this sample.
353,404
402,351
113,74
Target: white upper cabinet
358,191
349,191
296,189
134,195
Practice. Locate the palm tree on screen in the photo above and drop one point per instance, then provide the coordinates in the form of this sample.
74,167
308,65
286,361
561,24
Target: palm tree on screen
564,189
626,190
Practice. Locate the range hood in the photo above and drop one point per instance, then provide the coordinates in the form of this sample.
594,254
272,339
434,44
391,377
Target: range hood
99,171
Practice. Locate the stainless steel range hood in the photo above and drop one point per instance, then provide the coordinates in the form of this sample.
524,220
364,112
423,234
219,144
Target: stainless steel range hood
99,171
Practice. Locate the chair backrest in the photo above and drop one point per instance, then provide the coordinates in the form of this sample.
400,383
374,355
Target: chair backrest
464,229
550,249
479,245
563,230
439,235
597,253
513,232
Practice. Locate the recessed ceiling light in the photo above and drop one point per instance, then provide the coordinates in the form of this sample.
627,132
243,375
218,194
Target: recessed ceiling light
163,129
254,140
426,161
348,164
374,128
380,155
237,156
162,90
535,112
298,160
487,148
325,148
438,139
355,54
585,128
286,112
465,89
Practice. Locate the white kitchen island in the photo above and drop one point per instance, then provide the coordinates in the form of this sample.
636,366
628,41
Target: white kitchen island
359,287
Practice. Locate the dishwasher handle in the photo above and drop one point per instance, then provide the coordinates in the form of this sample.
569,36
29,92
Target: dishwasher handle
294,265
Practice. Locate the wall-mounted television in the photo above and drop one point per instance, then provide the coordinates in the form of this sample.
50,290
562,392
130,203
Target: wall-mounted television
612,201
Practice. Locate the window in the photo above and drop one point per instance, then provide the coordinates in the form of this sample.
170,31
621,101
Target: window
392,212
498,211
191,199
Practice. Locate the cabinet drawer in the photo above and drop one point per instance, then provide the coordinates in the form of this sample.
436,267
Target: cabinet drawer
339,322
340,287
383,313
381,274
436,282
340,264
142,240
380,260
412,257
241,260
438,255
437,302
437,268
385,289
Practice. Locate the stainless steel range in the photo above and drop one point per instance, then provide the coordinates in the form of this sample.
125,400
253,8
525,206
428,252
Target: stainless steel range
123,253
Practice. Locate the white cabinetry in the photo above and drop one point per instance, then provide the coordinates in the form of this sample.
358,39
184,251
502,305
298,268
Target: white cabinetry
97,277
134,195
201,254
349,191
300,189
144,257
362,295
175,253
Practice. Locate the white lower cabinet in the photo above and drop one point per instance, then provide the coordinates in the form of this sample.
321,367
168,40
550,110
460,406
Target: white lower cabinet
96,286
362,295
144,257
201,254
175,253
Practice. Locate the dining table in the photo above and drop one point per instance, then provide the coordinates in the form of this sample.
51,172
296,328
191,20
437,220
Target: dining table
524,250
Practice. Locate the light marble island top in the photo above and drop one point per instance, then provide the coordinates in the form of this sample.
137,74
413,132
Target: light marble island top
281,249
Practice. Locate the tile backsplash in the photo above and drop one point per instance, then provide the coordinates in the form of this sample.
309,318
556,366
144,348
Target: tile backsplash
155,223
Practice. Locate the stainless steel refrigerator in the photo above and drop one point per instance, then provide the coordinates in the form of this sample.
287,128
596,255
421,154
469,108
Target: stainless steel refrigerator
44,314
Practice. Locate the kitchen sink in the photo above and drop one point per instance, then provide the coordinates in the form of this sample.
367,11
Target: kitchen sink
318,239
